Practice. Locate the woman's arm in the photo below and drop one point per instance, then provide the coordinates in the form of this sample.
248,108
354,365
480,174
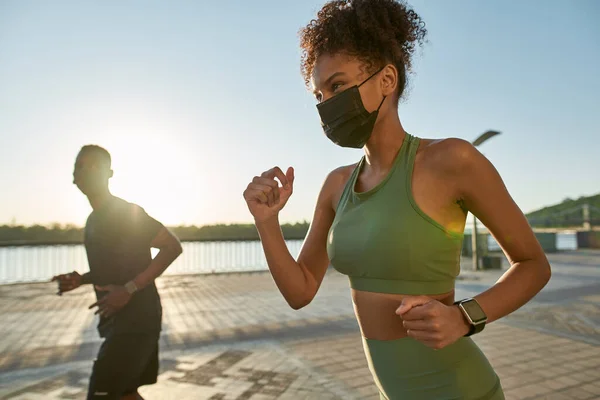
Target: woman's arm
485,195
480,188
297,280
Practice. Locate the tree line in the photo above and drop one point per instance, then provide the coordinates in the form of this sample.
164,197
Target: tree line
58,234
565,214
568,213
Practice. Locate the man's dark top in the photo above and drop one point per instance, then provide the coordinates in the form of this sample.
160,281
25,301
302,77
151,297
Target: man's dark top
117,242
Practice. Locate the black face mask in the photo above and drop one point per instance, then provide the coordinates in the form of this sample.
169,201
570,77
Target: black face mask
345,120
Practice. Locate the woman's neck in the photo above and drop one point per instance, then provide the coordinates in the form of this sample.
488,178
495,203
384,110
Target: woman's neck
385,142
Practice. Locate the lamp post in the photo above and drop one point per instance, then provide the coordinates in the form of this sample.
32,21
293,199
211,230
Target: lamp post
474,248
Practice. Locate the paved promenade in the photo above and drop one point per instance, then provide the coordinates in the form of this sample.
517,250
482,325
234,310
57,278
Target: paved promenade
232,336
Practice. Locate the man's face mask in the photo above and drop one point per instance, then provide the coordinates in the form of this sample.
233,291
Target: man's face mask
345,120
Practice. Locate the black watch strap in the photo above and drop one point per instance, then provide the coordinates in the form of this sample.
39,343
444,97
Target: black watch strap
473,314
475,329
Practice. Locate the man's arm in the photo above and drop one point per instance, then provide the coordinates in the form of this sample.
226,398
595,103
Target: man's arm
170,248
71,281
86,278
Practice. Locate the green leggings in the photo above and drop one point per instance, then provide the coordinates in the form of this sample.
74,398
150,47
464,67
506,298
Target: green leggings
405,369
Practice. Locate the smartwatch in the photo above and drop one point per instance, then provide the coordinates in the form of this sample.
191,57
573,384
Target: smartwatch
473,313
131,287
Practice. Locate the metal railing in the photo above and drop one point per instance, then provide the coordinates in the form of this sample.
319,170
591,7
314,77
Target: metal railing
40,262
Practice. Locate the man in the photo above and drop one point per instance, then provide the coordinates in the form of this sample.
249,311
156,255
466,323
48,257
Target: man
118,237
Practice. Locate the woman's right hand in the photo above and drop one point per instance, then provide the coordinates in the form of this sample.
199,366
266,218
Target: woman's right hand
264,196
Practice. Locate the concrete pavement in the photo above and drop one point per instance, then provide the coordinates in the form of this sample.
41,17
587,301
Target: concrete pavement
232,336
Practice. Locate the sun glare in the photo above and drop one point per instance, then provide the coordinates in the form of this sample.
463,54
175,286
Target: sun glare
148,171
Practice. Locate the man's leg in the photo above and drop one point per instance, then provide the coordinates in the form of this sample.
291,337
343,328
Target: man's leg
99,387
132,396
120,364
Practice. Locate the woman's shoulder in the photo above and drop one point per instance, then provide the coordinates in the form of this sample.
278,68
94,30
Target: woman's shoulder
445,145
343,172
340,175
448,154
336,180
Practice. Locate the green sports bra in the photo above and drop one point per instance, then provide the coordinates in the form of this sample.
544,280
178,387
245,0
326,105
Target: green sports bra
385,243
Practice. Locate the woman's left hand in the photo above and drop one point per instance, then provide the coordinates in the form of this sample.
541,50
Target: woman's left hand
432,322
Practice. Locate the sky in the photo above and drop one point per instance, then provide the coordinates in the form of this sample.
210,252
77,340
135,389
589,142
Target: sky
193,99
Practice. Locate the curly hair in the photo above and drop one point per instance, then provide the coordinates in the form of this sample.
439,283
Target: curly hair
376,32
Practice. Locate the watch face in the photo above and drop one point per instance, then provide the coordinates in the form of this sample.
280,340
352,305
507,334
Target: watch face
475,312
130,287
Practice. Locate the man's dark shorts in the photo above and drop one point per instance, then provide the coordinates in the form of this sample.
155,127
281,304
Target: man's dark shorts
124,363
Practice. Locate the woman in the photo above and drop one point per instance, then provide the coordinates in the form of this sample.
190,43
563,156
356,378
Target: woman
393,222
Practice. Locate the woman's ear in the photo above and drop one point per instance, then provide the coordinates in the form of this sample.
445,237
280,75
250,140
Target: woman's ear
389,80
